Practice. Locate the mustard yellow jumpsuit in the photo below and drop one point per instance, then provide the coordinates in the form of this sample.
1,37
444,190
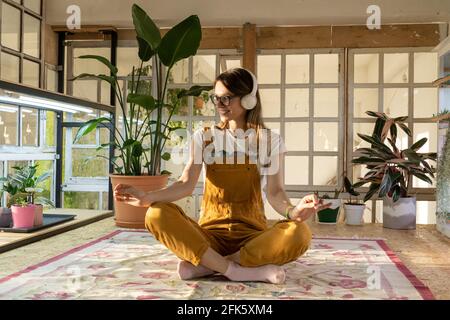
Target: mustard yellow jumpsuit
232,220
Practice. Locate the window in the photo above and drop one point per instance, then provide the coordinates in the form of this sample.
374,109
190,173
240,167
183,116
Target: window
397,82
21,58
8,125
301,93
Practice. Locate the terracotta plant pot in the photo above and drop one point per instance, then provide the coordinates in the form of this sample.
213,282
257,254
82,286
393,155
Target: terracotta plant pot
23,217
127,216
330,215
39,214
399,215
354,214
5,218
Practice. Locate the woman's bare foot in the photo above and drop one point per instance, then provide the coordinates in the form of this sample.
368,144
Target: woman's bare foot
268,273
187,270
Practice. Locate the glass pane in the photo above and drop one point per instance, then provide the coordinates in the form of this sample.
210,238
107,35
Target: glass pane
31,72
90,138
326,68
270,101
9,67
274,126
12,164
52,80
425,102
180,72
325,171
85,89
179,136
297,68
366,68
396,102
85,163
90,65
204,69
297,102
81,200
396,68
50,128
429,131
31,36
230,63
425,66
362,128
127,57
325,136
269,69
364,100
10,27
359,171
294,130
326,102
29,127
34,5
44,166
181,106
8,125
203,105
296,170
105,94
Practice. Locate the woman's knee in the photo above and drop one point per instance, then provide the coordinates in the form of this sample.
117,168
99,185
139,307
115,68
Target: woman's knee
299,237
157,214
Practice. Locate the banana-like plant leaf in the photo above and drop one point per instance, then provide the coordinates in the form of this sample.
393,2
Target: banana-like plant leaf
144,100
88,127
193,91
145,51
419,144
103,60
180,42
146,29
109,79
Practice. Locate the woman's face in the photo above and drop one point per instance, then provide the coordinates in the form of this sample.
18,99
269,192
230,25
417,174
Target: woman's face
234,111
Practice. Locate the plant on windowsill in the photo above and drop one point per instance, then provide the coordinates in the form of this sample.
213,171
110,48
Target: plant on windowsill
331,214
146,117
390,170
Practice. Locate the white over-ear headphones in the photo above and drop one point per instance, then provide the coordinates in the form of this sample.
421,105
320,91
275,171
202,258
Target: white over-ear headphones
249,101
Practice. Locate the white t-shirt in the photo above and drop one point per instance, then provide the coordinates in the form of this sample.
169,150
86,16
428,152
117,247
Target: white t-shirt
232,144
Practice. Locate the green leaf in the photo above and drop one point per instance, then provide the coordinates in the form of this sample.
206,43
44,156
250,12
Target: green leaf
419,144
372,190
180,42
109,79
386,184
166,156
166,172
194,91
396,193
129,143
145,27
145,51
88,127
103,60
421,176
143,100
405,129
137,149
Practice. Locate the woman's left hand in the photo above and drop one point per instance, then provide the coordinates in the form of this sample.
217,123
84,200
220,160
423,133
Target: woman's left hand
130,195
307,207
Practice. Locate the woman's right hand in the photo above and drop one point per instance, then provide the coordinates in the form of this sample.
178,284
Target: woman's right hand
132,196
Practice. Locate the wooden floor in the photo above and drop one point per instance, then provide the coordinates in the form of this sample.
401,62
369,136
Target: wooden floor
9,241
424,250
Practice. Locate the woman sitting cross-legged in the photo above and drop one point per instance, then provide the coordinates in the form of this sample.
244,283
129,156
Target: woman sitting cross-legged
243,166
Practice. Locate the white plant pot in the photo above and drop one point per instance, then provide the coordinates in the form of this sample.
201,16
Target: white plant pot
354,214
400,215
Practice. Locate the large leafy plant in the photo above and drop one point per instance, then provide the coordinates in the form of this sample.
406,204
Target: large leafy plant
391,169
23,183
147,124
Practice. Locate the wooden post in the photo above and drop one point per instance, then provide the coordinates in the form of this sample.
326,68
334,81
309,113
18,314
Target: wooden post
249,45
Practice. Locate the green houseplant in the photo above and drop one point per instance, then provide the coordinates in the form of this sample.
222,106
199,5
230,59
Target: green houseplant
354,210
390,170
331,214
139,149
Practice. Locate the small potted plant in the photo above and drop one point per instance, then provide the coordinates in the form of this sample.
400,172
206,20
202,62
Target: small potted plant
38,203
331,214
22,212
354,210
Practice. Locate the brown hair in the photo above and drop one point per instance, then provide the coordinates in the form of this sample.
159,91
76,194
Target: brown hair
239,82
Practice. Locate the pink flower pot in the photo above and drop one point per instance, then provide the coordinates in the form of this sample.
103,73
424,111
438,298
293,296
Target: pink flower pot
38,214
23,217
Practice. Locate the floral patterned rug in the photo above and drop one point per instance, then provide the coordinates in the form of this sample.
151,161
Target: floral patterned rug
133,265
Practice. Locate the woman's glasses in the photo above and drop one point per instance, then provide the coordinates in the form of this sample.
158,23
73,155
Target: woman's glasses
225,100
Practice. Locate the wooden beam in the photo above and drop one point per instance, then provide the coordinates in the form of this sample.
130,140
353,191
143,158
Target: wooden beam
50,45
84,29
293,37
249,37
402,35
